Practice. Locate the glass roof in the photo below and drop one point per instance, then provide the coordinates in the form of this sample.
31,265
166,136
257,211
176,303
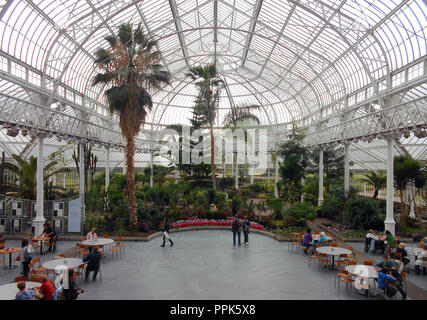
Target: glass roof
298,60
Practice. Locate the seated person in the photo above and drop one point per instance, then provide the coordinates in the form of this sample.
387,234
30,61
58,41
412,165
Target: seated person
92,235
401,249
323,240
394,267
24,294
73,291
47,288
384,279
419,263
93,260
306,240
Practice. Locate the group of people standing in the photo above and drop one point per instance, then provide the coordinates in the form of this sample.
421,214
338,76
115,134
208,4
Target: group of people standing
237,227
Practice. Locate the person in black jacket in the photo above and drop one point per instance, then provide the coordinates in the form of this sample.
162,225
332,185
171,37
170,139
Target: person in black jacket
166,233
93,260
246,227
73,291
236,227
50,233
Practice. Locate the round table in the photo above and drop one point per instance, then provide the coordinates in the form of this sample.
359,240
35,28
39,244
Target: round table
98,242
333,251
70,263
41,239
9,291
9,251
362,270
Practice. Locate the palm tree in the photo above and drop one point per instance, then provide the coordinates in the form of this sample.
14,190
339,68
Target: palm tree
27,175
130,66
236,116
377,180
208,101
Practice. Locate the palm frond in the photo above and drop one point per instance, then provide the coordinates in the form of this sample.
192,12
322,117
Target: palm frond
102,78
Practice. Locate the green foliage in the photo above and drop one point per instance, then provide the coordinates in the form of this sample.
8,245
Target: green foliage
236,204
277,206
363,213
311,190
377,180
301,211
332,208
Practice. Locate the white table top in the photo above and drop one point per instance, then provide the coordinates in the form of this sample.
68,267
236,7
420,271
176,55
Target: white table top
362,270
414,251
332,251
317,237
70,263
98,242
9,291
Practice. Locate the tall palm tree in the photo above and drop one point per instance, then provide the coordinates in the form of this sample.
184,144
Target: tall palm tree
27,174
377,180
130,67
208,101
234,118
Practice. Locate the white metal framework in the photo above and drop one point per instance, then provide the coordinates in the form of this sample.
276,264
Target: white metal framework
349,71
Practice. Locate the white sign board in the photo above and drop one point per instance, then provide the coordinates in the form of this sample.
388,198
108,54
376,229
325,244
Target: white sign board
74,215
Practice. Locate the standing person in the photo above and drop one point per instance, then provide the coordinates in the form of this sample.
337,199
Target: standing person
306,240
73,291
26,255
246,226
24,294
420,263
93,260
166,233
92,235
50,233
236,227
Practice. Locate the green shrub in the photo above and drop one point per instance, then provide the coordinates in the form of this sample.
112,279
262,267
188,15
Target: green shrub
302,211
332,209
363,213
277,206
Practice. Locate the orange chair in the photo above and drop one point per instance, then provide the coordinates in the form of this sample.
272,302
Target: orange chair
342,260
100,248
116,249
347,280
17,279
351,262
83,250
38,269
107,236
333,245
81,270
341,273
368,263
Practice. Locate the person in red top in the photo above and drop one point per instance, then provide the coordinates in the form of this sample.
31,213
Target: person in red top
47,288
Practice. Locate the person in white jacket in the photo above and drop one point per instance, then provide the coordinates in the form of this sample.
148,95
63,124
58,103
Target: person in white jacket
419,263
92,235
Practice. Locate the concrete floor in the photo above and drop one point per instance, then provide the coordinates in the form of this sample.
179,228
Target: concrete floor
204,265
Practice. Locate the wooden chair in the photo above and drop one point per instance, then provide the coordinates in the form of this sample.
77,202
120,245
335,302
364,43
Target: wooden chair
106,236
17,279
116,250
351,262
35,245
52,245
347,279
398,256
324,259
342,260
38,269
100,248
292,244
333,245
122,245
83,250
341,273
81,270
36,279
368,263
59,256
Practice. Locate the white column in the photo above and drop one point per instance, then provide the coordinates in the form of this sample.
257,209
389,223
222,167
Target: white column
82,180
39,220
346,171
151,169
302,193
412,201
64,182
320,199
389,222
236,181
276,177
107,170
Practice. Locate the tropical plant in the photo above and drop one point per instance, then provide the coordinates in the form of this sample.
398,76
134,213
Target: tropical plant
295,159
27,175
207,103
363,213
333,165
235,117
408,170
301,211
130,66
377,180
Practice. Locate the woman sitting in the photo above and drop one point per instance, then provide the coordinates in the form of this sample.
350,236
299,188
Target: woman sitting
403,253
323,240
306,240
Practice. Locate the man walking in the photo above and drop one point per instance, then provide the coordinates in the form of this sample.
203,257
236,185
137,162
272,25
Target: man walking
166,233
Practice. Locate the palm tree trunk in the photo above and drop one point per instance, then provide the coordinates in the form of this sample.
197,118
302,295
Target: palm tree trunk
213,159
375,194
130,178
402,209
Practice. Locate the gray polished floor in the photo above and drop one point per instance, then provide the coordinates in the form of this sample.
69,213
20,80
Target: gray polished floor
204,265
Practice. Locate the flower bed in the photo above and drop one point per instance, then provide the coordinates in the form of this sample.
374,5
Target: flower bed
193,222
